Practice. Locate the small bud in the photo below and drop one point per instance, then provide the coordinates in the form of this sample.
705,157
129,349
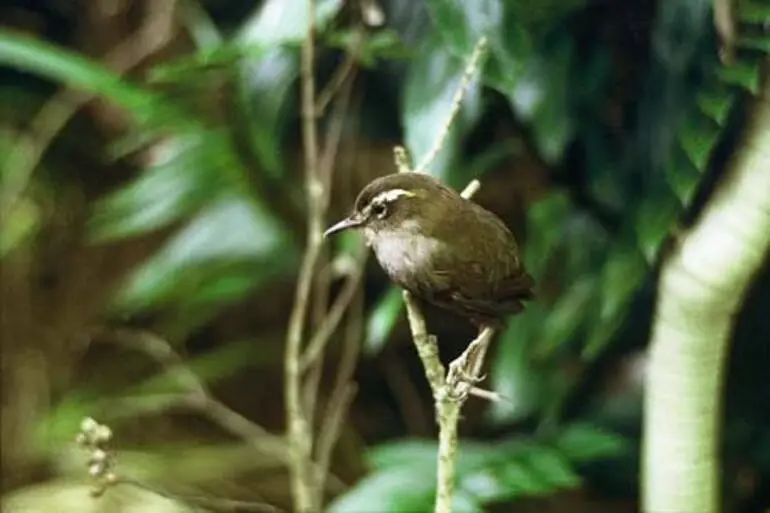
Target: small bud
103,434
98,456
96,469
88,425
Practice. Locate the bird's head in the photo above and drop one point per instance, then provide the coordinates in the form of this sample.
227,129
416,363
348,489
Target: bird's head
402,202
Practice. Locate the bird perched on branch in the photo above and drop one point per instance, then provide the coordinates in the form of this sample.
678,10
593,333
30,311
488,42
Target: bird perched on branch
443,248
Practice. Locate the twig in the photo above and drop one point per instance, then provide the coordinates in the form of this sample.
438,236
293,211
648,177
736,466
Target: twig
300,436
95,439
427,348
324,322
336,412
322,335
470,70
340,77
201,501
307,479
194,394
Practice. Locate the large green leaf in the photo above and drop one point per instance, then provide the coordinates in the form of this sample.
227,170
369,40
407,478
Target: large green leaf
403,473
264,85
60,65
581,442
224,252
278,22
514,373
187,172
540,97
402,488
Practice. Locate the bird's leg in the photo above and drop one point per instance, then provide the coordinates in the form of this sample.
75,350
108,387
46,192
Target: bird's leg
465,370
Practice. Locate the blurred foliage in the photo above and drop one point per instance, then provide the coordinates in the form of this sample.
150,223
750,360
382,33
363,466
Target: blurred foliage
628,123
486,473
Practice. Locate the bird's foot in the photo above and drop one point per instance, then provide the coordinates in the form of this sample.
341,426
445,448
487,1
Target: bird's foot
459,382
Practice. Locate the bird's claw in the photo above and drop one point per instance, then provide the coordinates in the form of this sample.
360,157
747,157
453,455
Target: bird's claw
459,382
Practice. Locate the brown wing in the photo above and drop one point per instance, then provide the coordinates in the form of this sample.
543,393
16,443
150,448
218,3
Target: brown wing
483,276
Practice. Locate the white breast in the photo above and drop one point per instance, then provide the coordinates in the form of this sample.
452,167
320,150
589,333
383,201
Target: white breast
399,253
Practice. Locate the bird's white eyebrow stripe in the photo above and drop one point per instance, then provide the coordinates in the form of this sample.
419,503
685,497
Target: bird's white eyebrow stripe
391,195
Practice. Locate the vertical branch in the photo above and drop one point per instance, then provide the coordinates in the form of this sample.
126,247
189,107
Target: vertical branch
451,390
703,283
299,432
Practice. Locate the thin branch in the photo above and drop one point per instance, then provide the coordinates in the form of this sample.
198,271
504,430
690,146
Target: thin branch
337,411
299,430
426,344
322,335
320,316
323,279
201,501
341,75
95,439
194,394
341,395
470,70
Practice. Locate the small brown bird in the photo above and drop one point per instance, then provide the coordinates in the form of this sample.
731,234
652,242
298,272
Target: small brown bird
441,247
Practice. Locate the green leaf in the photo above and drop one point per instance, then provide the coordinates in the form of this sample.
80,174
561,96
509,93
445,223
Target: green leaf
540,97
55,63
566,316
582,442
403,452
422,453
278,22
191,66
431,83
654,219
760,43
552,466
743,73
383,44
229,248
682,176
189,171
263,91
18,225
382,320
462,24
754,11
698,137
715,103
620,278
401,488
522,480
264,86
514,375
485,484
545,221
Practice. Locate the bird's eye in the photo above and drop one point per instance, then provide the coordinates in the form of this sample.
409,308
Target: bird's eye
379,210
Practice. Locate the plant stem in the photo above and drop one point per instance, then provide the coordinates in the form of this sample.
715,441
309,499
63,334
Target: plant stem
300,435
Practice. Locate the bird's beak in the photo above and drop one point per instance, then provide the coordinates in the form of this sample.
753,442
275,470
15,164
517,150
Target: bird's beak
352,221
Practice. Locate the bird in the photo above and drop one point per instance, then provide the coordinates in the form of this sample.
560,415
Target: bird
444,249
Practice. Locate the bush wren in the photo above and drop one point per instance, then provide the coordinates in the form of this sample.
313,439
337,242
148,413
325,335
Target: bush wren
441,247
